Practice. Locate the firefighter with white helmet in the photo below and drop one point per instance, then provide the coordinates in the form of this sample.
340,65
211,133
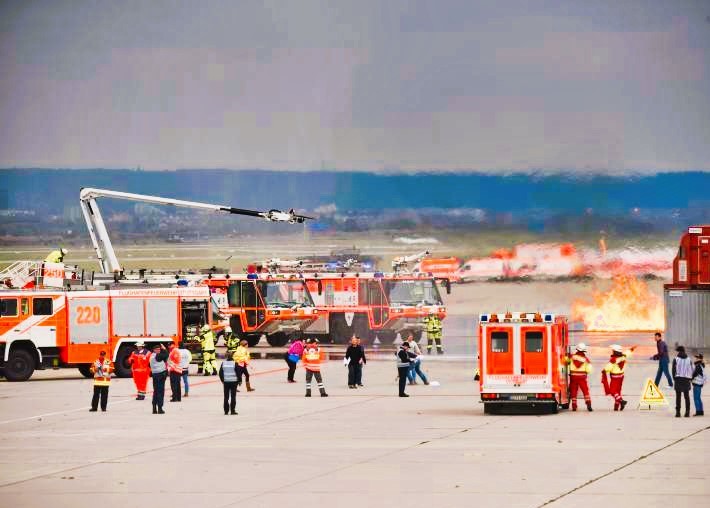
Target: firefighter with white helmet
579,368
56,256
209,364
616,368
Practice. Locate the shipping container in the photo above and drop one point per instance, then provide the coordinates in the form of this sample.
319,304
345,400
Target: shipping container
687,317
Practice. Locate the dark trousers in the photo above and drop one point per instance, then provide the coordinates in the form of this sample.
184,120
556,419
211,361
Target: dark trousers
682,387
242,372
291,368
663,371
99,391
159,388
175,389
402,378
230,397
354,374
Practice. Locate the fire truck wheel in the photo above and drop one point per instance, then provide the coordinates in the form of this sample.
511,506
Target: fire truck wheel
121,366
417,335
277,339
386,336
20,365
85,369
253,339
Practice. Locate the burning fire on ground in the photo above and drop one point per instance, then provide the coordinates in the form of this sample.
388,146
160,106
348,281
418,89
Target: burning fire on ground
628,306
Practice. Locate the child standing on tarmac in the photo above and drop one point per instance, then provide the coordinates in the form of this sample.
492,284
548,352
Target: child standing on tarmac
698,382
311,362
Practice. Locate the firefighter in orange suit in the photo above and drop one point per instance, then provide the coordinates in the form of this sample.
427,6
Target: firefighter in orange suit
101,369
140,369
311,362
615,368
579,368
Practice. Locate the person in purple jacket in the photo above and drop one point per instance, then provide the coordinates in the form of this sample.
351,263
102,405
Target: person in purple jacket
663,360
294,353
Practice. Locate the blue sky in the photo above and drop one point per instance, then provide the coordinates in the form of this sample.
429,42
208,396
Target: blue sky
615,86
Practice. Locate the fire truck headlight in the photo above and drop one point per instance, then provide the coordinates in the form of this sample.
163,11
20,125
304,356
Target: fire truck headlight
442,309
315,311
274,312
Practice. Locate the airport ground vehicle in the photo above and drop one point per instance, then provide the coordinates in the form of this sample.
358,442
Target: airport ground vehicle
276,305
687,298
47,327
522,361
372,304
440,268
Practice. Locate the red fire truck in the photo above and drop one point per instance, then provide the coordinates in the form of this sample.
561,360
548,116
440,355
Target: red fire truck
55,328
276,305
372,304
522,361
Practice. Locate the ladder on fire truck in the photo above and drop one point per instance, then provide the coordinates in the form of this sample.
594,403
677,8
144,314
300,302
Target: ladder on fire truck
99,234
19,274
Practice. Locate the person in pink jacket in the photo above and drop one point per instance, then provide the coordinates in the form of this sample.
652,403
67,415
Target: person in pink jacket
292,356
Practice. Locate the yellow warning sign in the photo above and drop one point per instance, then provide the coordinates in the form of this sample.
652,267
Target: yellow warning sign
651,396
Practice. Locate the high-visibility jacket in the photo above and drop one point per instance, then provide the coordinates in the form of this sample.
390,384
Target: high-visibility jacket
231,340
311,359
242,356
579,365
433,324
207,341
617,364
175,361
102,372
139,360
55,256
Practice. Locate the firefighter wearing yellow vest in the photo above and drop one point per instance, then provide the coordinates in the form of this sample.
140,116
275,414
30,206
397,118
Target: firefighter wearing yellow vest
433,333
311,362
579,368
241,358
56,256
209,363
616,368
231,340
101,369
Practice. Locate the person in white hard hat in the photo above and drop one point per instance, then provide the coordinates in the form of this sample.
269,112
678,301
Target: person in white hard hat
140,368
616,368
56,256
231,340
579,369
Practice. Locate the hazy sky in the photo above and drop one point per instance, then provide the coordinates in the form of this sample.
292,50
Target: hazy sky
483,85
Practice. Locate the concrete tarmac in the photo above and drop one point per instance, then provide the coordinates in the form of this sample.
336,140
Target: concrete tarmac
354,448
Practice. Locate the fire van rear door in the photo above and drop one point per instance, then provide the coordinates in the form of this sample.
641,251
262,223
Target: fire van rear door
704,260
499,350
534,350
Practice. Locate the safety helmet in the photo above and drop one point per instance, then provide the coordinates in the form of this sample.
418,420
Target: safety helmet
582,347
616,348
64,251
228,329
206,328
140,343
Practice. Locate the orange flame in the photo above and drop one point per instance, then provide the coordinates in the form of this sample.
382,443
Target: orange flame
628,306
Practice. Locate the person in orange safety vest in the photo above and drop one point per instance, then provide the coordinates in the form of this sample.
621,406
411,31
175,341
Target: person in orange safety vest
616,368
140,368
101,369
311,362
175,372
579,368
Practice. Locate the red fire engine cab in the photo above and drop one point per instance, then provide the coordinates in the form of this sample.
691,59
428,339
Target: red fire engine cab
276,305
55,328
372,304
522,361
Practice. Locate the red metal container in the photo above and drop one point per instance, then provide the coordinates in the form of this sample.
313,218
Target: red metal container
691,266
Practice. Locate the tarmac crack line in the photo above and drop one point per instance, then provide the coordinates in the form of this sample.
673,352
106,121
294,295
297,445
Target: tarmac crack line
358,463
623,466
183,442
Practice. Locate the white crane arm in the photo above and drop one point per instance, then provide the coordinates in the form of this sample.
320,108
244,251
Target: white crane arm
102,242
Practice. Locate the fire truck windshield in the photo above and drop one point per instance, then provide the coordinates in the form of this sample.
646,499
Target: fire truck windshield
282,293
412,292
